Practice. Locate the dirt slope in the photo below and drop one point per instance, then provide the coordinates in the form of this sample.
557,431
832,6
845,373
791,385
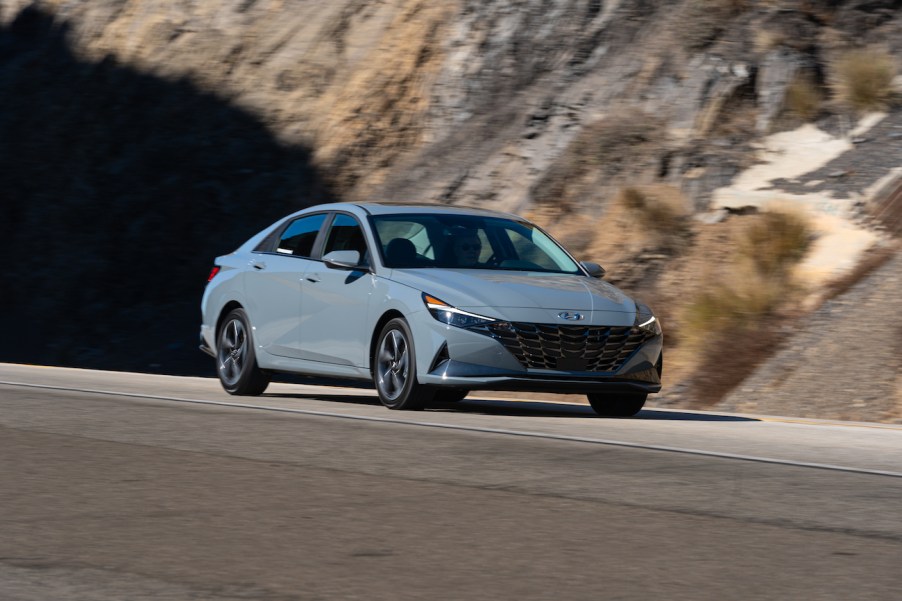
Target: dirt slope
143,133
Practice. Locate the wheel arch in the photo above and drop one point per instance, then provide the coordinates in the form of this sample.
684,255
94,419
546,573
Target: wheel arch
384,319
228,308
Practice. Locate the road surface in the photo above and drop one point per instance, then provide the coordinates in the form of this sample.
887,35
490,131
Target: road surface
130,486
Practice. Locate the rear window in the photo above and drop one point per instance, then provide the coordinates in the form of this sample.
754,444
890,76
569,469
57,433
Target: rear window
297,239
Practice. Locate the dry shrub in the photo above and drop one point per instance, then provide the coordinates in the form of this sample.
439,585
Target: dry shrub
803,98
659,210
775,242
613,133
717,372
641,220
576,231
863,79
738,308
627,141
735,303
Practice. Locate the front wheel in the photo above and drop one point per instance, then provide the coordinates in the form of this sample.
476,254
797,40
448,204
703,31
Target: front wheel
235,358
619,405
395,369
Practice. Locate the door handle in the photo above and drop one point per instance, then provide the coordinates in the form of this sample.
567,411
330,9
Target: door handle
259,265
312,278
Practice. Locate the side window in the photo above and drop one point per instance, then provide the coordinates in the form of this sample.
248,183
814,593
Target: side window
299,236
345,234
266,245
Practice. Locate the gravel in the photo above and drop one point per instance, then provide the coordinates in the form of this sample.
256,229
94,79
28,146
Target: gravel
844,363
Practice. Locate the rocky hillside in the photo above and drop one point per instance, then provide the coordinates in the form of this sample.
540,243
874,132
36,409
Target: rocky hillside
140,138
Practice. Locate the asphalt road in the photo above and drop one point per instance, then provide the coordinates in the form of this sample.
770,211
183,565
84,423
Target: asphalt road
124,486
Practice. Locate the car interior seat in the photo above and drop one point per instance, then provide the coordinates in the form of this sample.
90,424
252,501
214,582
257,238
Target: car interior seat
401,252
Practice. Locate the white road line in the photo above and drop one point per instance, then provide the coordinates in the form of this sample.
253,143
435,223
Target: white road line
599,441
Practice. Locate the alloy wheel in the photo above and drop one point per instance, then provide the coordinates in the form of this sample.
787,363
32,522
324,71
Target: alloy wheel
392,365
232,352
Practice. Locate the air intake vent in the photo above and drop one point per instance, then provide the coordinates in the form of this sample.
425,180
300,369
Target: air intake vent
566,348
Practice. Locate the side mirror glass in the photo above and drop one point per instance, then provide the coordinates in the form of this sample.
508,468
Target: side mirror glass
348,260
593,269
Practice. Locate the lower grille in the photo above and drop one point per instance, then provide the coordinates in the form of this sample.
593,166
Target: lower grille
566,348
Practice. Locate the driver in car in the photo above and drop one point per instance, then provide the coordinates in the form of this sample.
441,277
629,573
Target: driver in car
466,248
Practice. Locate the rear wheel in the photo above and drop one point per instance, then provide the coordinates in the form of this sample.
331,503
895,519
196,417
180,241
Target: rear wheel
236,361
620,405
395,369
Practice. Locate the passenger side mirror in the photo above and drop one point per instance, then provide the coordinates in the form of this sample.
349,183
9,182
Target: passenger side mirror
594,269
348,260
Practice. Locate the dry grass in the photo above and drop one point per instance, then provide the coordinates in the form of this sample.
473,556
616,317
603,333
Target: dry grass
803,98
717,372
863,79
575,231
641,220
766,251
659,211
606,137
738,306
775,242
628,142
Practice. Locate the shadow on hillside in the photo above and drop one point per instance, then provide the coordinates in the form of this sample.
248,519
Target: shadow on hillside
119,188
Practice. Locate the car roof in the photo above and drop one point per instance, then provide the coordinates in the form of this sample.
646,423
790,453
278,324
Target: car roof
394,208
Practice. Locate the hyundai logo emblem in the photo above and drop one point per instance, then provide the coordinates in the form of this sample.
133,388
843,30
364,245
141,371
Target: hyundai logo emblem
570,316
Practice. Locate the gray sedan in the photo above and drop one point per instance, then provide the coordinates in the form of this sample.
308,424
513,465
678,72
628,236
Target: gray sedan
428,302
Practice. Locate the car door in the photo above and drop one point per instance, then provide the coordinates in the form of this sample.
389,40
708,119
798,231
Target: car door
274,286
334,326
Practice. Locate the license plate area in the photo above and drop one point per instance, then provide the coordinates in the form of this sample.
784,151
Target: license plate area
572,364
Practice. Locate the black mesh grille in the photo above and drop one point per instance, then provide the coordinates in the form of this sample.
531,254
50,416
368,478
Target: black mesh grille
567,348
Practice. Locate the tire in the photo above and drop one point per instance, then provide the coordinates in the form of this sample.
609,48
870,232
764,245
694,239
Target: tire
236,362
620,405
450,395
395,369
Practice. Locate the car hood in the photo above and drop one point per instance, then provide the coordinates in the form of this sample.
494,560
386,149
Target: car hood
475,289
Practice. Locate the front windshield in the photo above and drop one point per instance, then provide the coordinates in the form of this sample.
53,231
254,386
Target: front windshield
468,242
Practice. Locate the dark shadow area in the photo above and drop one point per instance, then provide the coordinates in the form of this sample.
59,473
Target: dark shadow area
542,409
674,415
336,398
119,189
521,408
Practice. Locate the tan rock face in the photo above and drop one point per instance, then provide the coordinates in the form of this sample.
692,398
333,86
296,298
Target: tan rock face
219,109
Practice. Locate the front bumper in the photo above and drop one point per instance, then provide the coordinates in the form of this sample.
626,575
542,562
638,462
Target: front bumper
457,374
460,358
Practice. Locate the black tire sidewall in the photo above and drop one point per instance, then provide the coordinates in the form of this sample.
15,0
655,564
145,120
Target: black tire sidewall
450,395
407,399
625,404
248,369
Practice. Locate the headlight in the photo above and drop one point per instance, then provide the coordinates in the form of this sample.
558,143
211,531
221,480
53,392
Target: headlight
453,316
646,320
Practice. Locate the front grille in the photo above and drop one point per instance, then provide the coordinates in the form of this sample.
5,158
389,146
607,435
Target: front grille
567,348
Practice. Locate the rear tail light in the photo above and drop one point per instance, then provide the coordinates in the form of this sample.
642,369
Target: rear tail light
213,272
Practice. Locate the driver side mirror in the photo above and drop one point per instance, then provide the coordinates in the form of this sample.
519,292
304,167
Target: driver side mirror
593,269
348,260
